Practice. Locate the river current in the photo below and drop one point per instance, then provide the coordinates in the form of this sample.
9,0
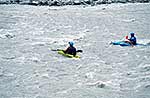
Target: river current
29,69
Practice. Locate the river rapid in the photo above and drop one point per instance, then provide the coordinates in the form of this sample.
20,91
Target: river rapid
29,69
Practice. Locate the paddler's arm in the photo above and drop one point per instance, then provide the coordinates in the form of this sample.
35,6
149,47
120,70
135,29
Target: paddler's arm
128,41
65,51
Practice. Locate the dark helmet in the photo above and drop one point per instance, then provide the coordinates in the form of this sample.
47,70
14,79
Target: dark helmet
71,43
132,34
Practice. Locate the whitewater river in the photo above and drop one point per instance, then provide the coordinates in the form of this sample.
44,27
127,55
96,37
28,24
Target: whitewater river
29,69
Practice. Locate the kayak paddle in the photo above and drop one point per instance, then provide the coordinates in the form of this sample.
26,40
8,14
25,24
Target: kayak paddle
62,50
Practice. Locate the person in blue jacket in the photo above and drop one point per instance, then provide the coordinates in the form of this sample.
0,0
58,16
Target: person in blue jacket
132,39
71,49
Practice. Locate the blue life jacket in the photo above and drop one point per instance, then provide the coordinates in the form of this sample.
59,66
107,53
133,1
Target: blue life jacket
133,40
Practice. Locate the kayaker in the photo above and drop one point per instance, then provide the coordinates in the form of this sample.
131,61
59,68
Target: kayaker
71,49
132,38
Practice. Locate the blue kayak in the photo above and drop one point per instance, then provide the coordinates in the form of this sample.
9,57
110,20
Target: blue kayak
123,43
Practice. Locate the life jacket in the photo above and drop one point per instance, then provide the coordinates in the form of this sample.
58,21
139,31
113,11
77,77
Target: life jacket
133,40
71,50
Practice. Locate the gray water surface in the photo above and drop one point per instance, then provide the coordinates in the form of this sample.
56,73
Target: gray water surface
29,69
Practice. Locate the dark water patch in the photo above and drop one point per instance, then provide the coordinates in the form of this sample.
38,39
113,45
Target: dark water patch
147,86
145,69
9,36
9,58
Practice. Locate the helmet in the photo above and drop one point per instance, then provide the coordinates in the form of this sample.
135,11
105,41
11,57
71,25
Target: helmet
131,33
71,43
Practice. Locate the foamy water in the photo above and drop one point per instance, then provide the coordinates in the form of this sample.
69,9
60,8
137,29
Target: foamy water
29,69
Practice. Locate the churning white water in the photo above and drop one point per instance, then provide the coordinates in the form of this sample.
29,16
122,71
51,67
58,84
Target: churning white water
29,69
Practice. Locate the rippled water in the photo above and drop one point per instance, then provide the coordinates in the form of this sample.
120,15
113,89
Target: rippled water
29,69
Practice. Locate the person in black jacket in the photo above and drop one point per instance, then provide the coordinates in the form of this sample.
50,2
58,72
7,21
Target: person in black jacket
71,49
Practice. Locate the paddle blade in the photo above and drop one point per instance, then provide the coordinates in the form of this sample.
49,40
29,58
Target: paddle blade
79,51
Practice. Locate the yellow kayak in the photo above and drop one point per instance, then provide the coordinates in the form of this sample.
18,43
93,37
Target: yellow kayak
67,55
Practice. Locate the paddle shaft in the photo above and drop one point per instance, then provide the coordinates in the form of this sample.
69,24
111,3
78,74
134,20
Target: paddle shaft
63,50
